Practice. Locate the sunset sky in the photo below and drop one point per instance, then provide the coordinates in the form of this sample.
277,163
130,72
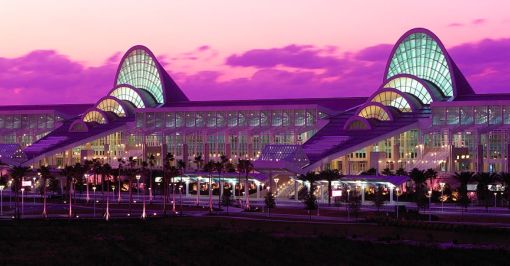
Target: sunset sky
68,51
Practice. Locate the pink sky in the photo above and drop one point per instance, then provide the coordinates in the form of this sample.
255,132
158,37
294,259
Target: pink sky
52,50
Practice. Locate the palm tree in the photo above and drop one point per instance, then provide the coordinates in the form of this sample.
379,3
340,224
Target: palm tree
17,174
505,178
131,173
152,163
121,164
69,173
198,161
330,175
220,167
401,172
246,167
181,165
106,174
464,178
209,168
310,200
419,178
45,174
386,171
430,174
482,189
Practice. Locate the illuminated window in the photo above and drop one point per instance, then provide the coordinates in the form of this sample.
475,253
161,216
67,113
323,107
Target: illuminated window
420,55
391,98
128,94
110,105
94,116
411,86
374,111
140,71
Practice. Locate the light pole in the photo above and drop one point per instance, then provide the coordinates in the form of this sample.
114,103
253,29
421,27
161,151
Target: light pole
1,200
495,198
198,190
94,188
33,178
442,184
397,190
143,210
22,201
138,186
276,179
180,198
87,185
430,201
348,209
10,194
118,198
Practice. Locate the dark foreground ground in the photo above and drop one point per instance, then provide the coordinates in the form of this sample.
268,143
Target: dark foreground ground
226,241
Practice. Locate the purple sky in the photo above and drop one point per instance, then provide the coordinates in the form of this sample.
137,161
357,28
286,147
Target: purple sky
249,51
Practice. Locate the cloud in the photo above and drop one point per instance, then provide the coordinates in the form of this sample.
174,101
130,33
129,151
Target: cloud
45,76
479,21
455,24
291,71
297,56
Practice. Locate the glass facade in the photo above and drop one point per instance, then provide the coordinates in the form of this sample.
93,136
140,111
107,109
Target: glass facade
140,71
374,111
390,98
94,116
411,86
110,105
420,55
128,94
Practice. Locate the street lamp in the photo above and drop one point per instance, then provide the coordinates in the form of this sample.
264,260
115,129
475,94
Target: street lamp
87,185
397,189
33,184
276,179
180,198
442,184
198,190
430,202
94,188
1,200
347,205
22,201
138,186
495,198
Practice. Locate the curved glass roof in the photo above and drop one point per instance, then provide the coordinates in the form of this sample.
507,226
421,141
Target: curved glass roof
391,98
420,55
411,86
128,94
94,116
139,70
110,105
375,112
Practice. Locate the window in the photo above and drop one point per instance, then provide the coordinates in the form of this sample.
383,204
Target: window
374,111
391,98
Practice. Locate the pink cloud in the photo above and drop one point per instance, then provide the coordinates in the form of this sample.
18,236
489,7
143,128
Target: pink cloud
292,71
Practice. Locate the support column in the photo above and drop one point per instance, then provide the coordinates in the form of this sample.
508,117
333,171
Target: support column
258,190
221,189
187,187
233,189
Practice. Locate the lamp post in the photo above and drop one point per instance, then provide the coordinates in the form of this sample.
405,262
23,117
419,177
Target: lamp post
495,198
118,198
397,190
22,200
94,189
348,209
1,200
10,194
143,210
430,202
198,190
107,213
33,184
180,198
442,184
138,186
276,179
87,186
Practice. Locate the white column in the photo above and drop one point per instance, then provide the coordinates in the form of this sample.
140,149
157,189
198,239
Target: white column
258,189
187,187
233,189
